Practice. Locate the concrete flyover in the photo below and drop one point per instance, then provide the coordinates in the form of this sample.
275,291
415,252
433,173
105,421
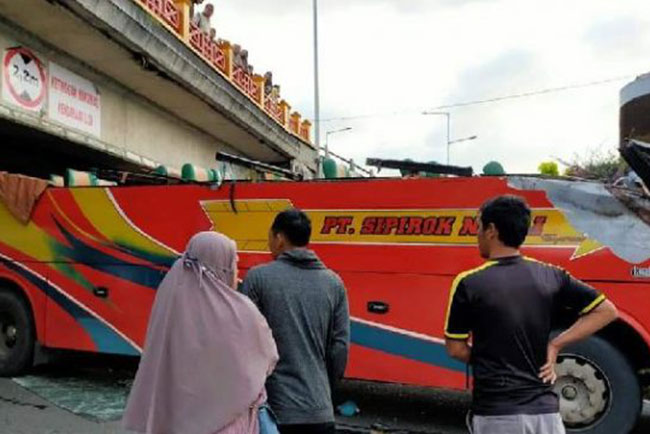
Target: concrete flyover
162,102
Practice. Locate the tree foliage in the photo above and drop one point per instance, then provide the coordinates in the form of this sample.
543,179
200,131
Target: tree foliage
603,166
548,168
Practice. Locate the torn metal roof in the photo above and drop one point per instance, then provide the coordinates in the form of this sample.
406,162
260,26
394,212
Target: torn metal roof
600,215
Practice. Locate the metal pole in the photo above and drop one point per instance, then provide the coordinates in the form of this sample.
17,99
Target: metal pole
448,135
316,83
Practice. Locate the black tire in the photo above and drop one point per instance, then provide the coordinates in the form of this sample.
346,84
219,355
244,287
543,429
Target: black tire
17,335
623,390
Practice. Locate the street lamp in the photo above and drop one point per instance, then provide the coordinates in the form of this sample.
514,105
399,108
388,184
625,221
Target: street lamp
327,141
449,141
464,139
316,81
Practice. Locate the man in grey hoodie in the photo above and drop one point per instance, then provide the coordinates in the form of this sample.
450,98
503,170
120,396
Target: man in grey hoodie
306,307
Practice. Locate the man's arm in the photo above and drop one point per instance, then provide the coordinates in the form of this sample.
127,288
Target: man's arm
586,326
250,289
337,351
459,349
596,312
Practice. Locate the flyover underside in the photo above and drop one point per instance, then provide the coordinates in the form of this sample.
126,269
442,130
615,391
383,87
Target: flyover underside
32,152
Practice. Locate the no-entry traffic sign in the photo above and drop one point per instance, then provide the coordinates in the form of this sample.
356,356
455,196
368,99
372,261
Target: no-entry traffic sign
24,79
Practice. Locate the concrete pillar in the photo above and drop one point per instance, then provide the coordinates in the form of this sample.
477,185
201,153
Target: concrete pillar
184,8
285,108
259,82
305,130
227,51
295,123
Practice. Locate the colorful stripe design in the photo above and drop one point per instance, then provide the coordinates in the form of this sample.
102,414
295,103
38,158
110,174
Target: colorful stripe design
83,253
67,243
90,231
104,337
403,343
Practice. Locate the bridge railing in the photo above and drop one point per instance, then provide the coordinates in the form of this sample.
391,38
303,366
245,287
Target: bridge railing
166,10
175,16
211,51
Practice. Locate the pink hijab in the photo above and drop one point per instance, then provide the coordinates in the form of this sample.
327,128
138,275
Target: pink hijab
208,349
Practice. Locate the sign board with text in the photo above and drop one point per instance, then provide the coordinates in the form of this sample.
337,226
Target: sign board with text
74,101
24,79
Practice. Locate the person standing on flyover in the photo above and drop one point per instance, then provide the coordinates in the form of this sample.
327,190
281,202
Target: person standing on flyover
203,19
193,5
506,306
306,307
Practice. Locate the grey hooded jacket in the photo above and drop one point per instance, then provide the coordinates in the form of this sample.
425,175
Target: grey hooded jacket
306,307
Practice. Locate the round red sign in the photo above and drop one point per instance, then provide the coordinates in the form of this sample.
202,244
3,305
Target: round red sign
25,78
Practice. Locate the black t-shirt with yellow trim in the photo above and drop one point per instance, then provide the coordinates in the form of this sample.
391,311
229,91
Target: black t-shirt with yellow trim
507,307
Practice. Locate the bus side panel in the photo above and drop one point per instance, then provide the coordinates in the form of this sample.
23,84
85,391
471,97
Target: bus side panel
65,331
631,299
79,318
368,364
397,321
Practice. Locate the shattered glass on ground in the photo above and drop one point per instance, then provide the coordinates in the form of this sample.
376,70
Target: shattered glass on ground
96,393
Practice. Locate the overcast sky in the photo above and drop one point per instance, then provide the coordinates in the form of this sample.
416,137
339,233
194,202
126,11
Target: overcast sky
385,61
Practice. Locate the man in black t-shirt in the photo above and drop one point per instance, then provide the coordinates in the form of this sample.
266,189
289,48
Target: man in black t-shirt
506,306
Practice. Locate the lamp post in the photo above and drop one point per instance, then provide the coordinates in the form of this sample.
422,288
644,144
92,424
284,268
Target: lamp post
353,165
449,141
316,80
327,141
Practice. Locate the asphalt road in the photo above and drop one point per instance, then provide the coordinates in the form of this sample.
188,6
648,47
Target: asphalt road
97,394
422,410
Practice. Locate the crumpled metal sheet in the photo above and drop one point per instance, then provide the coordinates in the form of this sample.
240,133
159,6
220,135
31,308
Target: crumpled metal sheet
592,210
637,154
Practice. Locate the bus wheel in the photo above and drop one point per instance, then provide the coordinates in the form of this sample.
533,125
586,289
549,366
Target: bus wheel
598,389
17,335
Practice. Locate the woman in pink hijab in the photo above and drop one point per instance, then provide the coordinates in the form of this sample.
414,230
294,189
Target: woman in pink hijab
208,350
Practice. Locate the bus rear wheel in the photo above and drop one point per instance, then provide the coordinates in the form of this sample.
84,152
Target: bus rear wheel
17,335
598,389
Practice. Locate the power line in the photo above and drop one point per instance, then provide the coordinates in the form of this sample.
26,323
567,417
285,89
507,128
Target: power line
487,101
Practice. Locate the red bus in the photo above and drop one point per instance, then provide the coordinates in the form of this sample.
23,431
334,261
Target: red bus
83,272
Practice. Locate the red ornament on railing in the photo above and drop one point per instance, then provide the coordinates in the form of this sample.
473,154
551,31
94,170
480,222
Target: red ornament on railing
243,80
198,39
293,124
166,10
274,109
255,91
305,131
219,58
202,42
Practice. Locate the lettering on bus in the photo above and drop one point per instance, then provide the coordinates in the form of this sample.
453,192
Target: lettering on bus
443,225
